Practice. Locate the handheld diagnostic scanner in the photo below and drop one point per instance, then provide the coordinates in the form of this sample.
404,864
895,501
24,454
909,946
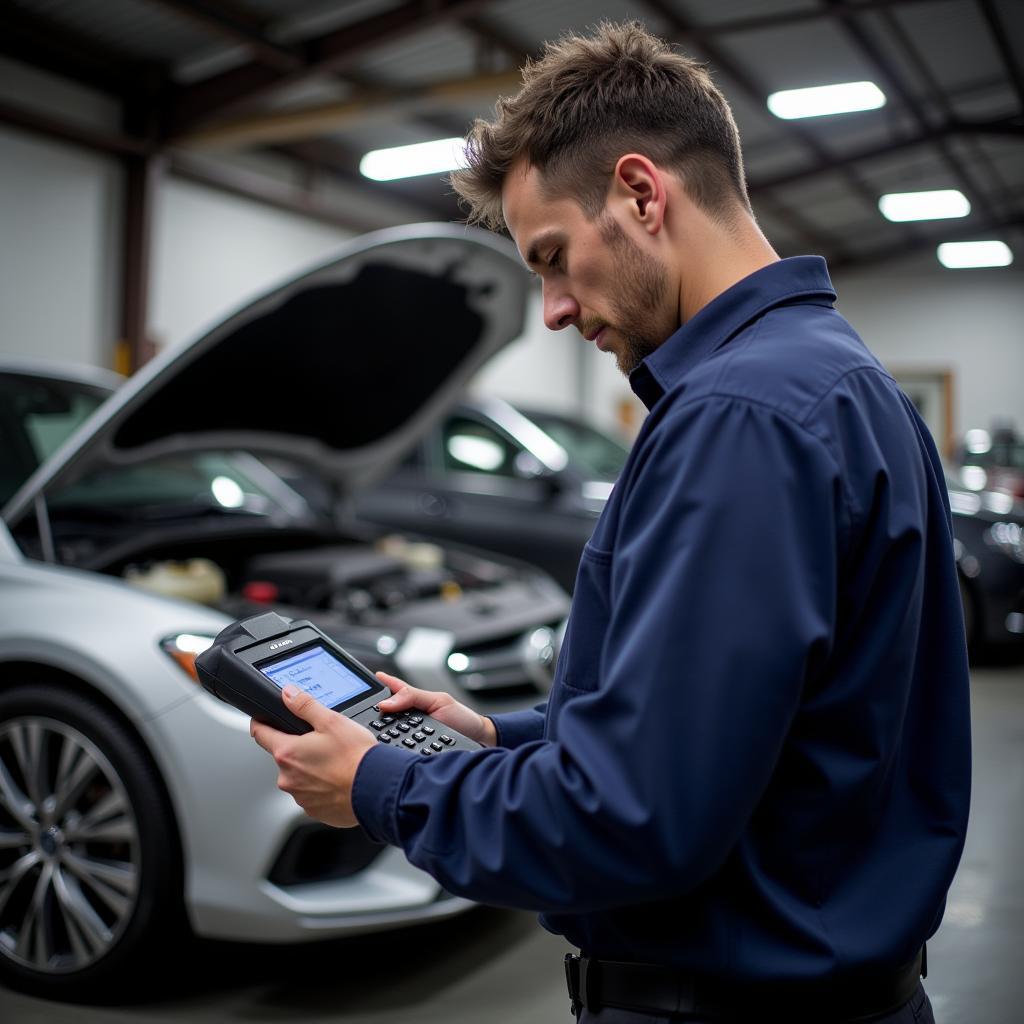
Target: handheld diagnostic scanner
251,661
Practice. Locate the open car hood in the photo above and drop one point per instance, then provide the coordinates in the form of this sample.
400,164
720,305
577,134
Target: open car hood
339,369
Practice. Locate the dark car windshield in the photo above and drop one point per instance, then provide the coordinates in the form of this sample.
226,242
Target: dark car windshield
195,491
178,486
37,415
595,454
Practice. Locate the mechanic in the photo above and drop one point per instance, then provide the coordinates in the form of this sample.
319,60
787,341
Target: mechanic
747,794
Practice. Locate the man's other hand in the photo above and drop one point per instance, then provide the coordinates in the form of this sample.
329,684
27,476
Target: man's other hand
442,706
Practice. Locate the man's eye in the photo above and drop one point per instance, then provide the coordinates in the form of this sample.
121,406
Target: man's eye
555,259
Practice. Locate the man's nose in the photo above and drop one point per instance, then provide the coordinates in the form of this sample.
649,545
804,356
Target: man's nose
560,310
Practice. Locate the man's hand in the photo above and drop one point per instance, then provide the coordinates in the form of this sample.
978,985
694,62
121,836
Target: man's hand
442,706
317,769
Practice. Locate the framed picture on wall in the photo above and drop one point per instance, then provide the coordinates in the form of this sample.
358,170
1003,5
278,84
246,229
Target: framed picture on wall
931,391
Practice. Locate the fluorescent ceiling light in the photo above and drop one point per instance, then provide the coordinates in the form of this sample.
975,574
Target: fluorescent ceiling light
937,205
410,161
826,99
964,255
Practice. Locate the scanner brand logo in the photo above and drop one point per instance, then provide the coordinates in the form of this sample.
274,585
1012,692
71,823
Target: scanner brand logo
283,643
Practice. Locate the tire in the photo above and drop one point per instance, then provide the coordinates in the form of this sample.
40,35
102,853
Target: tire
90,875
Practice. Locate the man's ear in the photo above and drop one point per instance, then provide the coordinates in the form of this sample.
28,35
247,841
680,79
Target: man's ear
639,184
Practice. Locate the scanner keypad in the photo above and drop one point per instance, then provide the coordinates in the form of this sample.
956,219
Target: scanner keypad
400,725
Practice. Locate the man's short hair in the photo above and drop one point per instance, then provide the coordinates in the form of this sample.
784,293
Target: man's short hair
590,99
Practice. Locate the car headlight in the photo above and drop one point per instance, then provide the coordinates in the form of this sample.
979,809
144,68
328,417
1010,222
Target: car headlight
1008,538
184,648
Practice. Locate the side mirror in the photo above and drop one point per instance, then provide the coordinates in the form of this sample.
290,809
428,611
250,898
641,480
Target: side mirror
529,467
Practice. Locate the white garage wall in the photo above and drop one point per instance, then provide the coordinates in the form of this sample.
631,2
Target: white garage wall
968,321
212,252
539,369
59,224
59,268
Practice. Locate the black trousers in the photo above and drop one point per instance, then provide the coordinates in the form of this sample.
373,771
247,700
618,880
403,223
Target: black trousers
917,1011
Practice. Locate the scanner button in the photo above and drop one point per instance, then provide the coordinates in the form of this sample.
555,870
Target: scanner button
387,719
404,726
409,742
428,730
415,719
384,738
436,746
377,725
447,740
376,707
394,733
419,737
426,750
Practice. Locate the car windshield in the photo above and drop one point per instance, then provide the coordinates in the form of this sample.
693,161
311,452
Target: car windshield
192,491
596,455
37,415
178,486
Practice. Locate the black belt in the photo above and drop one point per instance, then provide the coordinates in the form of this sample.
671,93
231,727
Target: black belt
654,989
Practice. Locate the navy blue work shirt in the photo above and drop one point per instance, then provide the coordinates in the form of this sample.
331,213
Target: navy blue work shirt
755,759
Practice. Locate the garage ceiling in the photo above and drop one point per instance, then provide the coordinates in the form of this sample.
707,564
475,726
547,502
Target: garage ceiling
313,85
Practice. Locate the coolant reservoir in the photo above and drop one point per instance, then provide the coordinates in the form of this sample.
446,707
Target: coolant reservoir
415,554
195,579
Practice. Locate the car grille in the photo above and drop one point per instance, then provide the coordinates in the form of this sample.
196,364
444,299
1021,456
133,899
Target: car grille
522,662
316,853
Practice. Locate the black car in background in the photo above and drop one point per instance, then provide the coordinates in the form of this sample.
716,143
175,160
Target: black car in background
532,484
988,530
993,460
523,482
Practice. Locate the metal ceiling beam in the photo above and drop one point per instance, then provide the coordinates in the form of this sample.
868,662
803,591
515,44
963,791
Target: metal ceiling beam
237,25
309,122
971,128
863,40
930,241
110,143
323,55
1001,39
302,201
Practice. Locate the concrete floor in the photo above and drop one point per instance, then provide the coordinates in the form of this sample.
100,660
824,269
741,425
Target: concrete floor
501,966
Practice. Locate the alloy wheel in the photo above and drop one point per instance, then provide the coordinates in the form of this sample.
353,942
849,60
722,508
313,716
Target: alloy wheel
69,848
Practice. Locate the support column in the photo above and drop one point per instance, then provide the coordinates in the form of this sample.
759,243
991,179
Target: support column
134,346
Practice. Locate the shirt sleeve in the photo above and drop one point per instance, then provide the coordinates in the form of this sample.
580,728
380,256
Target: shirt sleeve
514,728
722,601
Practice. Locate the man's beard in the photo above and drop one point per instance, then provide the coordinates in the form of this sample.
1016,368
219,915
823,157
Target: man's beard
643,284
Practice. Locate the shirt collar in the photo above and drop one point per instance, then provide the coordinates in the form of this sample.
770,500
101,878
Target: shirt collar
724,316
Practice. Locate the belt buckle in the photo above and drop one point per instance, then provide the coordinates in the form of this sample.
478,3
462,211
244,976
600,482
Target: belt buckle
572,981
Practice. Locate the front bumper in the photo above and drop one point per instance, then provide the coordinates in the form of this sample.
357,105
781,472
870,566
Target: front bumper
235,822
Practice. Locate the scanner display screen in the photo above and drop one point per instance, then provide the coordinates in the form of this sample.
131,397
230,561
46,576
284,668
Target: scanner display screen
319,673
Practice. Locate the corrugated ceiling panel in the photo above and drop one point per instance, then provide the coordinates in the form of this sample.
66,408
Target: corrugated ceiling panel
148,31
431,55
789,58
537,21
952,39
719,11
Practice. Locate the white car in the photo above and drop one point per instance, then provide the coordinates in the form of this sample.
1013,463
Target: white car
129,798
